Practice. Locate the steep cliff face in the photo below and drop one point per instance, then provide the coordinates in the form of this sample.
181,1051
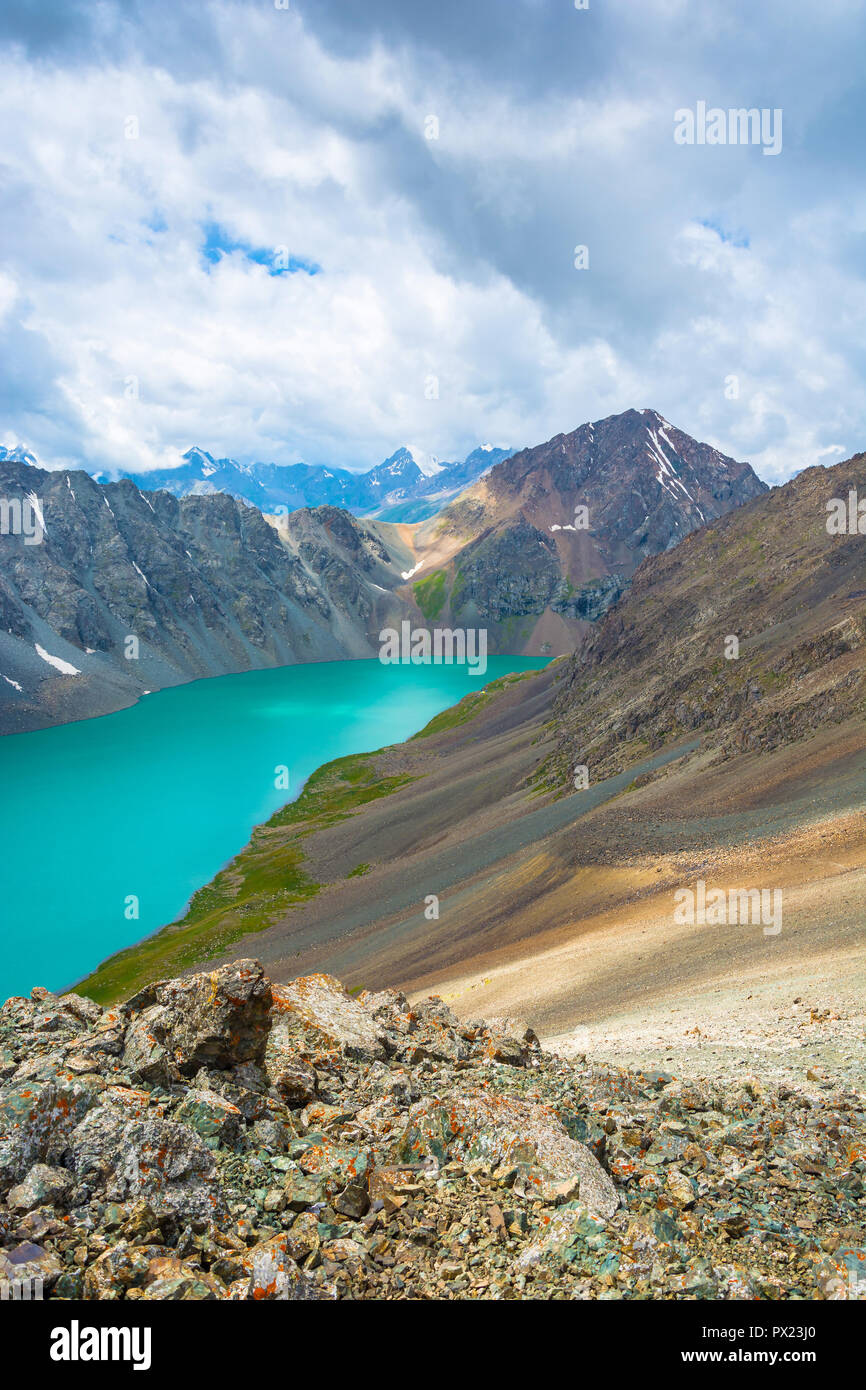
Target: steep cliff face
551,536
126,591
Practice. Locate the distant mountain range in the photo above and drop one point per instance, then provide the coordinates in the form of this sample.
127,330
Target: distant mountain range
533,551
408,486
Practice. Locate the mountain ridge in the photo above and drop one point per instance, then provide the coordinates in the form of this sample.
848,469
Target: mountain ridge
208,584
199,586
407,476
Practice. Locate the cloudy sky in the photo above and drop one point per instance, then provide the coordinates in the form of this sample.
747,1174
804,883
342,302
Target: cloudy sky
322,231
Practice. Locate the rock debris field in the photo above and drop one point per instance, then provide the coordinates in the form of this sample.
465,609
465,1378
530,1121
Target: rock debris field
222,1137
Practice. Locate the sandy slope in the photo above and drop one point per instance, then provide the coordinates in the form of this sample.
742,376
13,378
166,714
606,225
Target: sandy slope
562,911
620,979
628,985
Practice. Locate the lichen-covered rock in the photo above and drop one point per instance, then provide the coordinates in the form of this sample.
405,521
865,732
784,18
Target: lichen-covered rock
85,1010
507,1050
325,1020
133,1101
169,1164
158,1159
37,1024
426,1031
95,1146
561,1232
43,1186
146,1052
516,1136
291,1077
36,1120
303,1190
217,1019
211,1116
169,1278
273,1274
329,1159
116,1271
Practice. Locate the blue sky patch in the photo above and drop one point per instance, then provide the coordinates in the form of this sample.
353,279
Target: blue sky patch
277,260
729,238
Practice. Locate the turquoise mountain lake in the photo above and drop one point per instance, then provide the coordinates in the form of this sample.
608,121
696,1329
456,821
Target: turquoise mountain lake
153,800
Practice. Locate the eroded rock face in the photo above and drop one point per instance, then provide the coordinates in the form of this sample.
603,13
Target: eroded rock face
205,581
220,1138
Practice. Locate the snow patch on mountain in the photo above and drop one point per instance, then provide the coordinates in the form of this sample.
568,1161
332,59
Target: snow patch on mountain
428,463
64,667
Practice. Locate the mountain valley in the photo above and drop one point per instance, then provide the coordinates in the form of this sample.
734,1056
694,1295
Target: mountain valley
558,903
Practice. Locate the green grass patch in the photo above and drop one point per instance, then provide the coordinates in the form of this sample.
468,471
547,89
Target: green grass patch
430,594
469,706
457,589
254,890
358,871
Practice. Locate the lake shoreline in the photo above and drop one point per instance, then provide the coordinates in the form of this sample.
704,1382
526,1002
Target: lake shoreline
132,813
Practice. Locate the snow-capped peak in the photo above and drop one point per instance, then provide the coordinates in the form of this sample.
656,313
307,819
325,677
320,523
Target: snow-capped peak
428,463
203,459
16,453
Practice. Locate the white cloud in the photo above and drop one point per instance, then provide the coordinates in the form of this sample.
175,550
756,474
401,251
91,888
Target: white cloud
449,258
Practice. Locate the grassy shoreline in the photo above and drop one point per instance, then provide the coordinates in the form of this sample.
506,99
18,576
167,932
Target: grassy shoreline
263,881
268,876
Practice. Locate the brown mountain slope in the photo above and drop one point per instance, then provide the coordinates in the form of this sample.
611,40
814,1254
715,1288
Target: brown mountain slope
769,576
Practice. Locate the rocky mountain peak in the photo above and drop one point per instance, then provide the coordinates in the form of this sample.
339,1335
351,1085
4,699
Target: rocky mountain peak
552,534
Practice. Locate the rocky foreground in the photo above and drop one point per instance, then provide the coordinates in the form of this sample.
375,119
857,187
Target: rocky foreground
221,1137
